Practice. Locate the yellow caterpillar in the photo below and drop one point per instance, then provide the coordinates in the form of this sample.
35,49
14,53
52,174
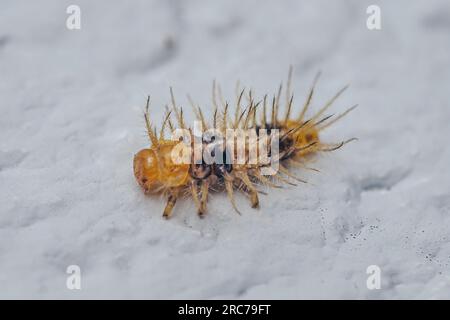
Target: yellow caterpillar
158,172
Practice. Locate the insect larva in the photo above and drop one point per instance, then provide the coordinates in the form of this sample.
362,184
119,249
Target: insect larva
157,172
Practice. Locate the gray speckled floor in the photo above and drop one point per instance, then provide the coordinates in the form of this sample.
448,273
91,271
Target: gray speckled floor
71,102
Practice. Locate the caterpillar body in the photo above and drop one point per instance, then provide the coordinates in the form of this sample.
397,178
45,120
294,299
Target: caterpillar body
157,172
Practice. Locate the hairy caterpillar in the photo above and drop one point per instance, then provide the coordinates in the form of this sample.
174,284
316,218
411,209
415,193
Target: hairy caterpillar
158,172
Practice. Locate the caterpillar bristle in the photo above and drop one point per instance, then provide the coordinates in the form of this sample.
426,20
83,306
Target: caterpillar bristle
299,139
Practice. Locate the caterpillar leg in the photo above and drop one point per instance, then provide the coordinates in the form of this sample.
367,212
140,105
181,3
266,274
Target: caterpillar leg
251,189
229,188
172,199
254,200
194,192
204,198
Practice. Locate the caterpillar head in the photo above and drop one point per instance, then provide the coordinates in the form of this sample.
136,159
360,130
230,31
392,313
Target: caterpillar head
154,168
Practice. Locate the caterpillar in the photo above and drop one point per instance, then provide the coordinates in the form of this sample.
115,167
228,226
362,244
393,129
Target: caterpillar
158,171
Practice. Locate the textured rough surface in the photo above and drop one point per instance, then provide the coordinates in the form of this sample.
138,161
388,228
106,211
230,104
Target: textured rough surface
71,119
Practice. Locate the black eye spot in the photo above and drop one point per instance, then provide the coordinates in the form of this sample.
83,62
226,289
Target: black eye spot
144,180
